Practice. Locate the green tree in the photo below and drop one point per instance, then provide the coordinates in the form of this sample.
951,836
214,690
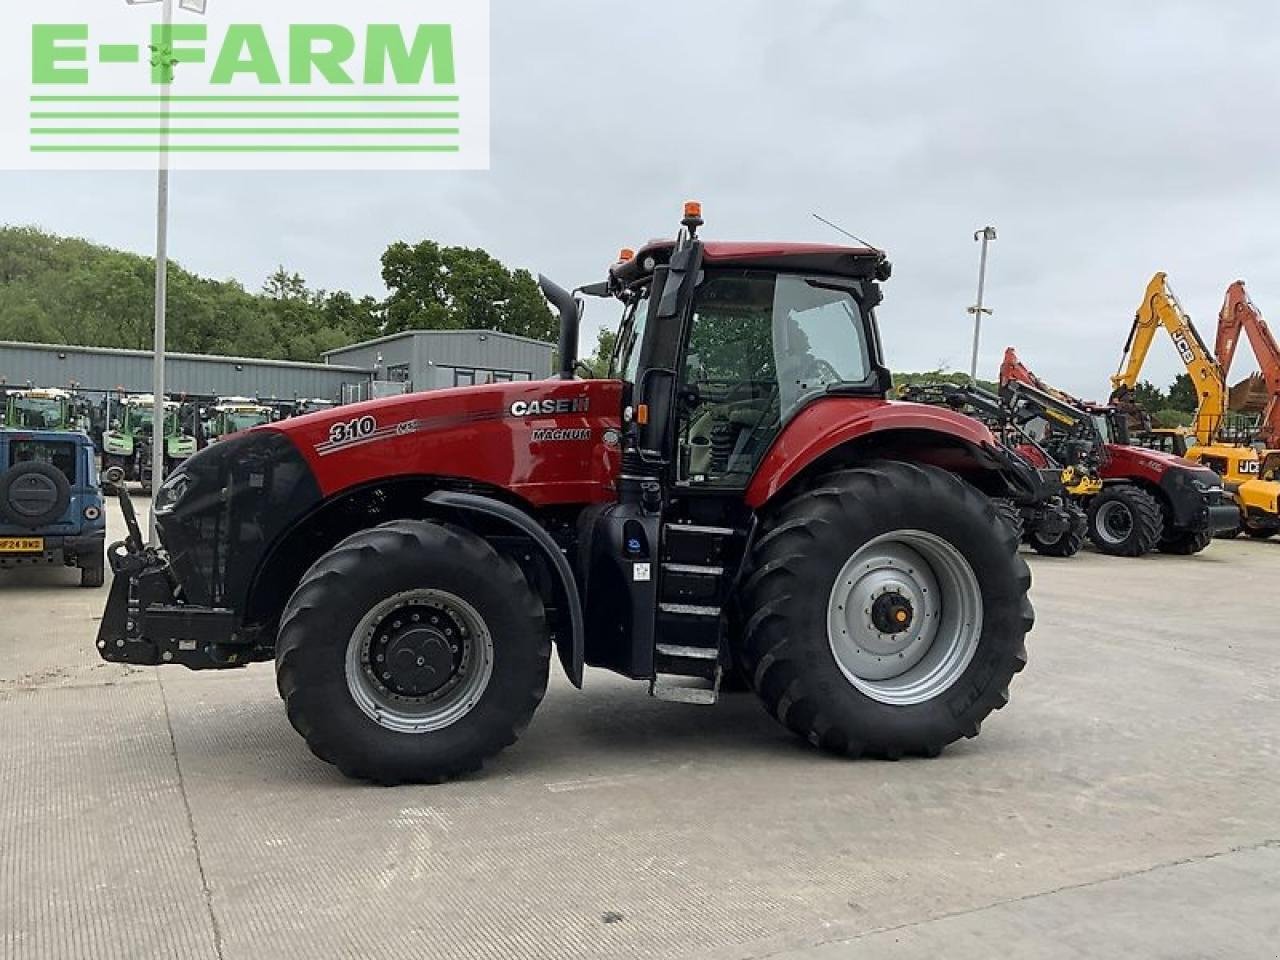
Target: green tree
599,363
1182,394
456,288
1148,396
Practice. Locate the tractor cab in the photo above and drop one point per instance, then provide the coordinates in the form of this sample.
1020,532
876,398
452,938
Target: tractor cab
48,408
233,414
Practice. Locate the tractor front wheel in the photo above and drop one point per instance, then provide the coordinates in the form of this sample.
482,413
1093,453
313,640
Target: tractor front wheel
1064,544
886,611
412,652
1125,521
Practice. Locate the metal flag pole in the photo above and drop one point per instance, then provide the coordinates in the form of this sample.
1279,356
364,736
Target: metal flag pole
986,235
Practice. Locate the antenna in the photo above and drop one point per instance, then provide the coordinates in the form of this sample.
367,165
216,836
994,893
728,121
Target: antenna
840,229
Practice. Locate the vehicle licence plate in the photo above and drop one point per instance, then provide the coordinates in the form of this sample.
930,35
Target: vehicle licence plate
21,544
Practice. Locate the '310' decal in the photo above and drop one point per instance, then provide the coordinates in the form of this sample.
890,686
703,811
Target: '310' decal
352,430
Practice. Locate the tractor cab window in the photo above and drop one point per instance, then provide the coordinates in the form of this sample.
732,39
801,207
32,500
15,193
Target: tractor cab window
759,345
819,338
39,413
1270,469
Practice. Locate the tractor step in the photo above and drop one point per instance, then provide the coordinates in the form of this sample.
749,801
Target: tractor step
697,690
688,653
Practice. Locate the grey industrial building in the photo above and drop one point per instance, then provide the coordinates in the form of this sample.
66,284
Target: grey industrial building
99,369
414,360
433,359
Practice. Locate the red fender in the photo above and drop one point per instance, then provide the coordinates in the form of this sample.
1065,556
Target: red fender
825,424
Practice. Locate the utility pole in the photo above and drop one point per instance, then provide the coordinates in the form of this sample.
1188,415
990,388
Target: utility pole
985,235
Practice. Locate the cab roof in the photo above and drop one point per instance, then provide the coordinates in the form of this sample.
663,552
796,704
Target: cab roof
858,263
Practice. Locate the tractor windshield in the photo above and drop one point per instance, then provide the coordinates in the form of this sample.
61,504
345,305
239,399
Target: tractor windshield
39,413
140,419
237,420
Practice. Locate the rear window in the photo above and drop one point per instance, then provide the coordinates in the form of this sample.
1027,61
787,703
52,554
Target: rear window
58,453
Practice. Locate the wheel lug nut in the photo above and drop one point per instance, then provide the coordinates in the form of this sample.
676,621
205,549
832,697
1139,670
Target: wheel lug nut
395,625
381,658
416,617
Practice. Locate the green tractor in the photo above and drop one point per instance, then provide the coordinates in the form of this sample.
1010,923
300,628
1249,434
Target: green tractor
232,414
127,444
44,408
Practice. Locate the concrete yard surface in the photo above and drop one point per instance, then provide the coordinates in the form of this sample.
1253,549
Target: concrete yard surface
1125,803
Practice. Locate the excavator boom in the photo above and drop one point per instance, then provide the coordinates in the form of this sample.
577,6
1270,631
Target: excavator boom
1160,308
1239,313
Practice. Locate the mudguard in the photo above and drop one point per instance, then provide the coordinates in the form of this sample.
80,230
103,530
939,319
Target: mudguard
570,652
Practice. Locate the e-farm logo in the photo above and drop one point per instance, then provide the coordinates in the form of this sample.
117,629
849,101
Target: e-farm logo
247,84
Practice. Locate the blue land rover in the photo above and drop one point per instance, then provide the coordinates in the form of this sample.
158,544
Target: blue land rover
51,509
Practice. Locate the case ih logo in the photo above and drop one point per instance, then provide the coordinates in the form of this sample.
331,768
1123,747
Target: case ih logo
242,84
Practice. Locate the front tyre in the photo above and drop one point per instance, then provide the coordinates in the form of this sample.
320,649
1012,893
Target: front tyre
412,652
886,611
1125,521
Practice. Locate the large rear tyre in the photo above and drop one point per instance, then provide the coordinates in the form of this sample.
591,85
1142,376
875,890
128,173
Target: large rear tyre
1125,521
1011,514
886,611
412,652
1066,543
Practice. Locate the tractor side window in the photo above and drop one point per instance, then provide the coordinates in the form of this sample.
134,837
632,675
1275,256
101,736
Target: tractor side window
728,411
819,338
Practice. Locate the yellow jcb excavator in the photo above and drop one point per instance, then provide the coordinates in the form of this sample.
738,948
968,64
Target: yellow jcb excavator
1238,465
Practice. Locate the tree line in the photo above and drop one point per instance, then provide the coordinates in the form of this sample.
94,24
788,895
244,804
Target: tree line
65,290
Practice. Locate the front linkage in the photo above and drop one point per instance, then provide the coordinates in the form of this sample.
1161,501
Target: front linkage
144,625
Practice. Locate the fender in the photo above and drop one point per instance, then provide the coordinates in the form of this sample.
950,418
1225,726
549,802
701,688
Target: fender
571,654
827,423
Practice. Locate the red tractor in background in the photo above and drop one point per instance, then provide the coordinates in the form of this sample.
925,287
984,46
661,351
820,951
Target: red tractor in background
1150,500
738,494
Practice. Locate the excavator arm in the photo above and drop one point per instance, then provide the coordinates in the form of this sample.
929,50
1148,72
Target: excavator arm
1239,313
1160,308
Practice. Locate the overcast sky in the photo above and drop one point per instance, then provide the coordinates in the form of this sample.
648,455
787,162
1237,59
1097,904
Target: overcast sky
1104,140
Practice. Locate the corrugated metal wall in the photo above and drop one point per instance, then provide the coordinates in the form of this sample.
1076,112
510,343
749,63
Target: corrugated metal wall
95,369
433,356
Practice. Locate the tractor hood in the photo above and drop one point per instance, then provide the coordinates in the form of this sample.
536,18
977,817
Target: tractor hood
547,441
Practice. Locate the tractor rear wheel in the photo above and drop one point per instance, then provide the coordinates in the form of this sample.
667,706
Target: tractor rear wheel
1125,521
886,611
1068,542
412,652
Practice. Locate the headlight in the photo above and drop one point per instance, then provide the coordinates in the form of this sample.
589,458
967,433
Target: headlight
171,492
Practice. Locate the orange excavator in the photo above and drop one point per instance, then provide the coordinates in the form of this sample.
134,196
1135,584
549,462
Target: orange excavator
1239,313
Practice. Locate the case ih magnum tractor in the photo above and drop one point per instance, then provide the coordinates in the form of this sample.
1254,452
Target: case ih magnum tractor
738,494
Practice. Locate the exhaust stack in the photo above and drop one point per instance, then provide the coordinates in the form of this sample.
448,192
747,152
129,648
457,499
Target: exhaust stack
570,320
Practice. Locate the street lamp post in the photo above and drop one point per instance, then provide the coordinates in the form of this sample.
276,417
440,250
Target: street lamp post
985,235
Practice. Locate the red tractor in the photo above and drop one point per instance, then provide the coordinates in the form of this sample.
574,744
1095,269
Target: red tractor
738,495
1150,499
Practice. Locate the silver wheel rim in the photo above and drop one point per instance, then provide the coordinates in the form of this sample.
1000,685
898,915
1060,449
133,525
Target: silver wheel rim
1114,522
456,625
920,656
